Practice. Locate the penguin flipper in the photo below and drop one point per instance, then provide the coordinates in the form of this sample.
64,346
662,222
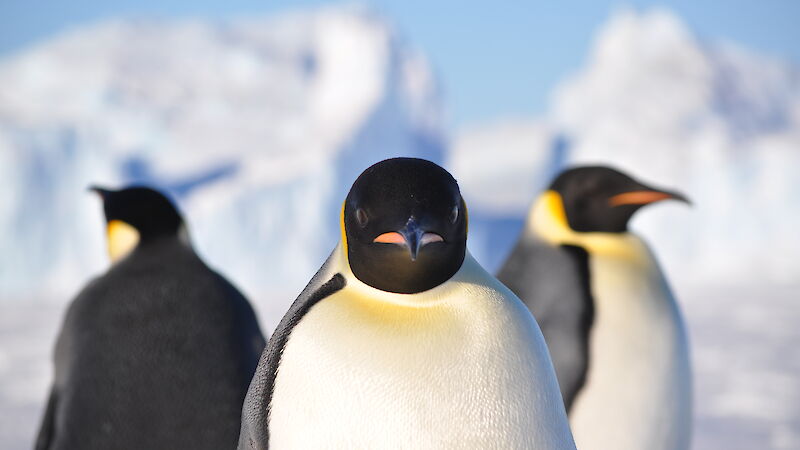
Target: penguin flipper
554,284
254,434
250,335
47,429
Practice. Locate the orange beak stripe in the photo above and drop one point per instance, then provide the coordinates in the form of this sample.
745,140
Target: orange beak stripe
391,237
638,198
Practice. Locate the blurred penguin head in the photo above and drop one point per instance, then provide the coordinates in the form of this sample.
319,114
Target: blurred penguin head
404,226
137,215
597,199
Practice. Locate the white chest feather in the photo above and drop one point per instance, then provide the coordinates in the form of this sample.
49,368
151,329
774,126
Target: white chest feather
465,367
638,389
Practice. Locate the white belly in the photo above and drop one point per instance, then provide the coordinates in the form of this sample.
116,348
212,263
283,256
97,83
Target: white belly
468,372
638,390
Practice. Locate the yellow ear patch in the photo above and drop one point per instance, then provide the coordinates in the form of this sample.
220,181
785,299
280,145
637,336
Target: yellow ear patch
549,219
466,217
122,239
341,225
555,206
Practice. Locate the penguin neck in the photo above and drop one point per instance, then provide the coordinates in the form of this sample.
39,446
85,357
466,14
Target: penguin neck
547,222
149,244
430,298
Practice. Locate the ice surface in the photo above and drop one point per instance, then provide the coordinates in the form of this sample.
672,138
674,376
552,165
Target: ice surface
746,364
744,352
27,335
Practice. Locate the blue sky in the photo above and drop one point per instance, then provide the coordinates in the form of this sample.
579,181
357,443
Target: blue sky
495,59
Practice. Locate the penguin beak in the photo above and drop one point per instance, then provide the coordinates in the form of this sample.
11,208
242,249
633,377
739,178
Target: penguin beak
645,197
412,236
102,192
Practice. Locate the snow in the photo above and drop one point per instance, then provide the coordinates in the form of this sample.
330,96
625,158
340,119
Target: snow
27,332
746,363
744,352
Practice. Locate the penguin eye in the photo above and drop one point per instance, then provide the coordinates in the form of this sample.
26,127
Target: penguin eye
361,217
454,214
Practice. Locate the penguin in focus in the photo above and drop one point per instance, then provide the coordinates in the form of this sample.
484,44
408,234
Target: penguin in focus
402,340
613,328
158,352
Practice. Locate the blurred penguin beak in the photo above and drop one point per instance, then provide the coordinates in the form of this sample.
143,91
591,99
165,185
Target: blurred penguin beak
102,192
645,197
411,236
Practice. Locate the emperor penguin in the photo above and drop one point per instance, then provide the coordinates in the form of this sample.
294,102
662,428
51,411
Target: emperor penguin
402,340
158,352
613,328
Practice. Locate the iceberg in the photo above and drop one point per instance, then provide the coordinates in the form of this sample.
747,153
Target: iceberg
256,127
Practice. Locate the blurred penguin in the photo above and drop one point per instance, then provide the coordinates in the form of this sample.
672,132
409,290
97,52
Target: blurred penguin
158,352
614,330
402,340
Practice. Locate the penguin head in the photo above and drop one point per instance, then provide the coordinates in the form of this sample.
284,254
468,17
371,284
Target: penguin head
404,226
136,215
602,199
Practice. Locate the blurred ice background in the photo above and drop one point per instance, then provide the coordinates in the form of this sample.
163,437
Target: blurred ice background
258,127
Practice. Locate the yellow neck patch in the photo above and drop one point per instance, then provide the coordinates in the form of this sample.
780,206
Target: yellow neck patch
344,233
122,239
466,219
548,221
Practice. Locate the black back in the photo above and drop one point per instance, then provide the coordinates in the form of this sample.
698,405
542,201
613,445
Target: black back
553,282
155,354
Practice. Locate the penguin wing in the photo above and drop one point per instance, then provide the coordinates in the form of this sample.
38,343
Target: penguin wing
254,434
553,282
45,438
249,332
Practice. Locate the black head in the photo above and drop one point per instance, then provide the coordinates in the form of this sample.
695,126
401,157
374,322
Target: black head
145,209
405,226
598,198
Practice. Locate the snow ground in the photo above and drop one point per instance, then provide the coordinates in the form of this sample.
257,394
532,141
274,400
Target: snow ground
747,366
27,335
744,342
